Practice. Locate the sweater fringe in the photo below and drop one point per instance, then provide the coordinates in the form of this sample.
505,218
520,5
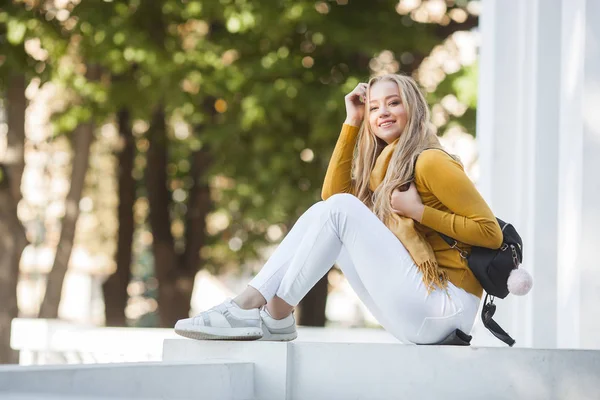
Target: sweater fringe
433,277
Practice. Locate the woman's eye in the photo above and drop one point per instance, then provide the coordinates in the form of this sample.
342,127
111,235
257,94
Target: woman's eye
394,103
373,109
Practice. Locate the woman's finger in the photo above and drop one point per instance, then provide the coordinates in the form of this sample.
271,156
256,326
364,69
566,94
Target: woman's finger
361,90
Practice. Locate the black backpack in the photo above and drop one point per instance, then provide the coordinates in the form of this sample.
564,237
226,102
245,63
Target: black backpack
492,269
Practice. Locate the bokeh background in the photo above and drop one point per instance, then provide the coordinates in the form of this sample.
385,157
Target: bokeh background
152,153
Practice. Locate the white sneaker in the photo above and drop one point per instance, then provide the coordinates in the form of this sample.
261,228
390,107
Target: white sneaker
227,321
281,330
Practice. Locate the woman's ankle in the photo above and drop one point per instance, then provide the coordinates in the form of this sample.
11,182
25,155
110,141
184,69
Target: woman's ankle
277,317
244,305
250,298
279,308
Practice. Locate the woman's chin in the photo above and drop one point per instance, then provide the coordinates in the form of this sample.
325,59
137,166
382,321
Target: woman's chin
388,136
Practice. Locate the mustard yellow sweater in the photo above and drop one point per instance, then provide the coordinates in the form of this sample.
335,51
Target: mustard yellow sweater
453,206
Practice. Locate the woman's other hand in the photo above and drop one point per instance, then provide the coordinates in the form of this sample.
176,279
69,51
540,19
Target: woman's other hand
408,203
355,105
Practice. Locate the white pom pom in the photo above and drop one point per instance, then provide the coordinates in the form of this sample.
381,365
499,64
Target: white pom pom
519,282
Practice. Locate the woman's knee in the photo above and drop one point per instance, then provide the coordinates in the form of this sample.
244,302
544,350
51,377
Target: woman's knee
318,204
343,201
317,209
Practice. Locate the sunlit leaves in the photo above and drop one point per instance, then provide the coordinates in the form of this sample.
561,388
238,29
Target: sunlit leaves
465,86
193,9
15,32
239,21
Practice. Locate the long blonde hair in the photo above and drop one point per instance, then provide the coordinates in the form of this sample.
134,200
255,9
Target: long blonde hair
416,137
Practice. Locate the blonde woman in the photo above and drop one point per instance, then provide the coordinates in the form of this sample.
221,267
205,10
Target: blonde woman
388,190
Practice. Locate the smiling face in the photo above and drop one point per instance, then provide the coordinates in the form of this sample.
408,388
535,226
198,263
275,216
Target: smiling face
387,115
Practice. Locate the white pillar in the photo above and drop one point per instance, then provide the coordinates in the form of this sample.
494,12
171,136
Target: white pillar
499,41
578,293
517,132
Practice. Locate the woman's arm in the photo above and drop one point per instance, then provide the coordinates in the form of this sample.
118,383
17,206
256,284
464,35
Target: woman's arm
470,219
338,178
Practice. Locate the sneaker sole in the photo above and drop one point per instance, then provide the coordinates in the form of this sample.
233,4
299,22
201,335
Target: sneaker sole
287,337
211,333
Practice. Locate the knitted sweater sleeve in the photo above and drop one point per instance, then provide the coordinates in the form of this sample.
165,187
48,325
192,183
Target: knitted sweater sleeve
464,215
338,178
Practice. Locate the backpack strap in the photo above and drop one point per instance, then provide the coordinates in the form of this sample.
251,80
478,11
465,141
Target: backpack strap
487,312
454,244
489,308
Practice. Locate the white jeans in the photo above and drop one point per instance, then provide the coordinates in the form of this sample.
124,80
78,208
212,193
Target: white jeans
343,231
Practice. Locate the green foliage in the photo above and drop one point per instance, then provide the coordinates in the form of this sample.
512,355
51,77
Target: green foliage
18,24
259,83
463,85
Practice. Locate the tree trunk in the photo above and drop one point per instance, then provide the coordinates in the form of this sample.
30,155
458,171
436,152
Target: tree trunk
16,106
159,199
176,274
312,307
84,136
12,243
115,287
165,257
12,232
199,205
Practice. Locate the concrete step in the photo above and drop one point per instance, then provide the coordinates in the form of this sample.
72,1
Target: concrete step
316,370
44,396
225,380
50,341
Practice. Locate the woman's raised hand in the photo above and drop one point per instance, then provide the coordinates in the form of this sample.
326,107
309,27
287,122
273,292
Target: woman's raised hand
355,105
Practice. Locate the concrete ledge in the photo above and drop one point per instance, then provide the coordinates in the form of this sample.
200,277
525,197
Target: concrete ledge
313,370
379,371
36,338
270,360
216,380
50,341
